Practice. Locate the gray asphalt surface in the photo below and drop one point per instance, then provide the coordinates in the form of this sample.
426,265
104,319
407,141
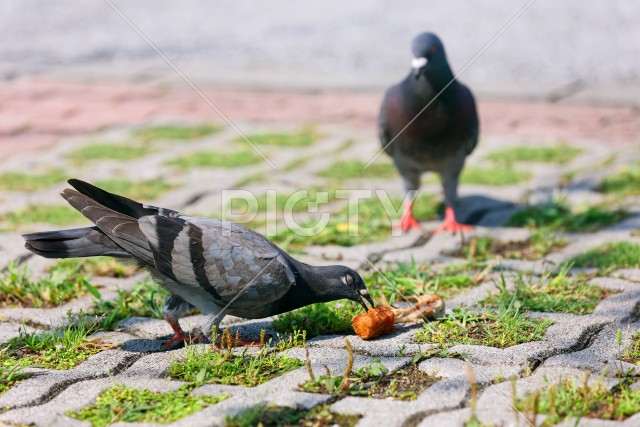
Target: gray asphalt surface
555,47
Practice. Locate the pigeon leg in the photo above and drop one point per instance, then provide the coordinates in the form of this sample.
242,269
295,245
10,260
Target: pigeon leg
173,308
450,224
408,221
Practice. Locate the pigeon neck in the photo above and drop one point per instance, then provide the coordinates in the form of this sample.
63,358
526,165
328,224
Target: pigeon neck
311,286
434,80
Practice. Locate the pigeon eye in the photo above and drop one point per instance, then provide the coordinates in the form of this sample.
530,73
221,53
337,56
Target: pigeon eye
347,280
433,49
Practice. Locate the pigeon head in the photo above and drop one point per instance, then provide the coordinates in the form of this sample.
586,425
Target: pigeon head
430,60
339,282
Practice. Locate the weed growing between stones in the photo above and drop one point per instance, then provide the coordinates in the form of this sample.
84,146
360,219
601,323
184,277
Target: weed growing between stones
610,256
559,154
285,201
283,416
632,353
100,266
140,190
406,280
130,405
495,176
551,293
61,215
502,327
373,380
18,181
571,399
176,132
557,216
216,159
94,152
302,138
319,319
9,375
19,289
355,169
377,226
61,349
484,248
202,365
623,182
145,300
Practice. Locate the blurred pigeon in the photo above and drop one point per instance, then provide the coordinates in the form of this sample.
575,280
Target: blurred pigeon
215,265
437,139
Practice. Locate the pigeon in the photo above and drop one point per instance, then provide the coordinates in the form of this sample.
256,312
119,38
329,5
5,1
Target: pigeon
428,122
214,265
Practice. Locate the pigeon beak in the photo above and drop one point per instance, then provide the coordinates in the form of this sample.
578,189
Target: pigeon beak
417,64
364,294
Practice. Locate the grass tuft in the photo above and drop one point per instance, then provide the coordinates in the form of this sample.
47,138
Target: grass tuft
60,349
60,215
483,248
496,176
557,216
319,319
610,256
98,151
559,293
624,182
632,353
141,190
174,132
18,181
278,416
205,365
19,289
9,375
216,159
302,138
502,327
354,169
130,405
570,399
556,154
101,266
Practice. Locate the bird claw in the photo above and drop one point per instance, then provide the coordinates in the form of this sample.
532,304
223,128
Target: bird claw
185,338
453,227
408,222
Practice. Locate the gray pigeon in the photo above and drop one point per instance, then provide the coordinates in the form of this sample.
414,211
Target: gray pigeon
437,139
215,265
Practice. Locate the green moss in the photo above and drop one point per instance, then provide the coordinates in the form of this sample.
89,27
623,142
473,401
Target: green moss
559,293
555,154
557,216
57,349
145,300
610,256
302,138
571,399
130,405
61,215
98,151
319,319
201,366
216,159
494,175
101,266
504,327
348,169
624,182
174,132
409,280
18,181
141,190
19,289
372,221
283,416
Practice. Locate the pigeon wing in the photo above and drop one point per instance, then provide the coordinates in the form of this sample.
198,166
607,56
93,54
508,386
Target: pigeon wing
234,265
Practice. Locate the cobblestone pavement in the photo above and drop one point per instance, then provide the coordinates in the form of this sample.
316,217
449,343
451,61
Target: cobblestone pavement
571,346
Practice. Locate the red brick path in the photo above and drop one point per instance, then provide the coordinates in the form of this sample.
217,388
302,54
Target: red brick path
37,112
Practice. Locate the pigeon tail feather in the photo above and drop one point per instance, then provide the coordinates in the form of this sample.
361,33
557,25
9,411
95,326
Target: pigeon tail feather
72,243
